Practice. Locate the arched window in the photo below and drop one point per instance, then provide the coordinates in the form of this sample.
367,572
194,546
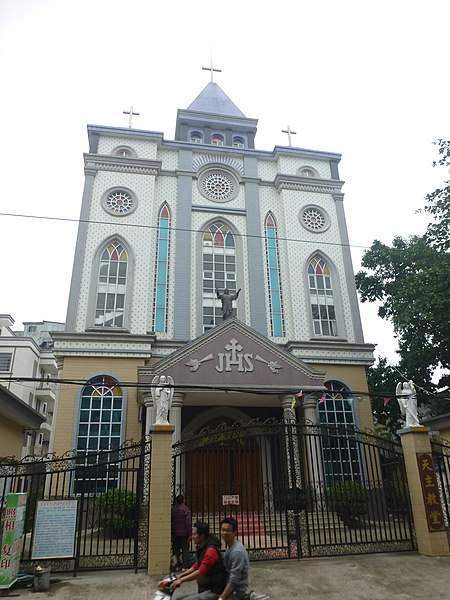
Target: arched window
160,306
274,277
110,306
219,271
341,460
217,139
238,142
99,427
321,297
196,137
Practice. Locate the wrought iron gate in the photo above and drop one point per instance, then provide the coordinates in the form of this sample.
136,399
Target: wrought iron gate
297,489
111,487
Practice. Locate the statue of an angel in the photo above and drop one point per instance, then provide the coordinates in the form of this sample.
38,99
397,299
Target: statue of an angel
407,400
162,392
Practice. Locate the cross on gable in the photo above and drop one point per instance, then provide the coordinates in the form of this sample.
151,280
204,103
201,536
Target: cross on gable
131,113
289,133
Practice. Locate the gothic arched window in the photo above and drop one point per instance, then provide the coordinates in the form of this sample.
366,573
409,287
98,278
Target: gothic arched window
219,271
321,297
160,306
110,305
341,459
99,428
274,277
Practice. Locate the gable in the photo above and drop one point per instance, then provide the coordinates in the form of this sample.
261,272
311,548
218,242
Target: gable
232,356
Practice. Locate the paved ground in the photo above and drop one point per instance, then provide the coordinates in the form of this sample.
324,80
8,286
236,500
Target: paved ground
397,576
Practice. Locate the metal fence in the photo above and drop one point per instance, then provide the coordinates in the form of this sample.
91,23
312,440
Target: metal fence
111,489
298,489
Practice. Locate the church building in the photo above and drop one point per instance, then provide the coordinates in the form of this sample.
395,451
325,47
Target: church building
170,226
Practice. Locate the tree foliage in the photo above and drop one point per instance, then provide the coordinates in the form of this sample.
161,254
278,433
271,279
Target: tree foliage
382,380
410,280
438,232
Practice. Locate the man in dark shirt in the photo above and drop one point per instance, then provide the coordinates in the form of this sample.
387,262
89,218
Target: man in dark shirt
181,530
208,570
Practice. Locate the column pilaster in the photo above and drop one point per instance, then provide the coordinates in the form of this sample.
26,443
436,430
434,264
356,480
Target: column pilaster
426,504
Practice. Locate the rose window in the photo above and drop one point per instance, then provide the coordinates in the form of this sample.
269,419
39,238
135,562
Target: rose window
119,202
313,219
217,186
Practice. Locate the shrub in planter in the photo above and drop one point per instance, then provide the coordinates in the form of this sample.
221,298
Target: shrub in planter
116,510
348,499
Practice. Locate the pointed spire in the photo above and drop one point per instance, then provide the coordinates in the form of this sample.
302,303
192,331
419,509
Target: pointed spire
212,99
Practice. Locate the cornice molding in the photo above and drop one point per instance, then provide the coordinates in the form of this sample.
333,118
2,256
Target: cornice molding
103,162
307,184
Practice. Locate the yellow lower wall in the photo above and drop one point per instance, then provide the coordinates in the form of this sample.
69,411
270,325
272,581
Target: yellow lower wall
11,438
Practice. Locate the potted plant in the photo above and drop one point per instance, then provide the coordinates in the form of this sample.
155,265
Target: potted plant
348,499
117,511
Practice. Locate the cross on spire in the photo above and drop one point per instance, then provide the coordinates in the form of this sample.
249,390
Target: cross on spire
131,113
211,68
289,133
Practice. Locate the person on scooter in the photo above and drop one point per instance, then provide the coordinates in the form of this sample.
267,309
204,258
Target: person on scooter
208,570
236,562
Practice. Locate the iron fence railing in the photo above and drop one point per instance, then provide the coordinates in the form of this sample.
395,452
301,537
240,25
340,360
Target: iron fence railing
112,502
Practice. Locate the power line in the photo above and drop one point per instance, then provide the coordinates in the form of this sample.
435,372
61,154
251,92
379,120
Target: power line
180,229
209,387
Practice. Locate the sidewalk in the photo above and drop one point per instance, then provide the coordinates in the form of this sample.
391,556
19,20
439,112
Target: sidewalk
396,576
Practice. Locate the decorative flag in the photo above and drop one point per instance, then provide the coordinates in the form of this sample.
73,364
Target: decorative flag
386,401
322,398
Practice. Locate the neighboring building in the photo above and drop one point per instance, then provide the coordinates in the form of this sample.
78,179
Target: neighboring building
17,423
166,222
29,354
439,425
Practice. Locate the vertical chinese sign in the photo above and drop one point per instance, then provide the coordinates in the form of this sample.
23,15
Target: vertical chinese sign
13,529
430,490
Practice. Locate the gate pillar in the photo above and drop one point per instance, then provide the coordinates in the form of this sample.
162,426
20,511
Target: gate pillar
424,492
159,532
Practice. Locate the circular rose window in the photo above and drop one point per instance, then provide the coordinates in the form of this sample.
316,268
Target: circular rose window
313,218
119,202
217,186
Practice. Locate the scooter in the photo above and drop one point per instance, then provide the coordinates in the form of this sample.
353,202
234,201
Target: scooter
163,591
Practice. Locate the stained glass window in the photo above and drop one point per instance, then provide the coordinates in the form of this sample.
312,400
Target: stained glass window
274,277
219,271
110,307
341,460
99,428
321,296
160,307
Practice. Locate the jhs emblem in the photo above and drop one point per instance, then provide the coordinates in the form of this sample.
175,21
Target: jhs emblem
234,358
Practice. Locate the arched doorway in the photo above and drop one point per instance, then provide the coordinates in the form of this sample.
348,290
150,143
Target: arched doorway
223,467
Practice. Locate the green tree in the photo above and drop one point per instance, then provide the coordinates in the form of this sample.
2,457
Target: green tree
410,280
382,380
438,232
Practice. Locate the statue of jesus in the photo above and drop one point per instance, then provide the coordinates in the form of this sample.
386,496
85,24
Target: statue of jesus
227,302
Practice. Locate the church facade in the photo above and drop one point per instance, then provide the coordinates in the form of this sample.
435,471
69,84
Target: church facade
166,226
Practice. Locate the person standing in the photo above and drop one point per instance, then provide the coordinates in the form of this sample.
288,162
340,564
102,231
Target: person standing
181,530
236,562
208,570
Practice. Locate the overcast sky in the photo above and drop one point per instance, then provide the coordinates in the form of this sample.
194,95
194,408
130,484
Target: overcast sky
365,79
